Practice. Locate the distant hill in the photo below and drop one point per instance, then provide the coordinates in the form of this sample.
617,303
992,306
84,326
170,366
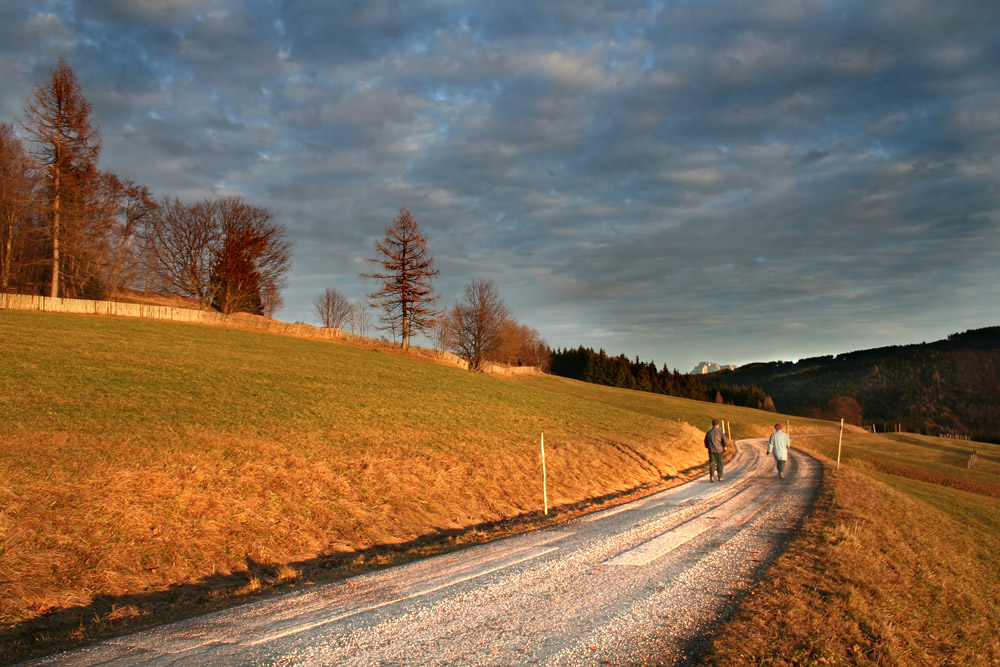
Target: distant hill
949,386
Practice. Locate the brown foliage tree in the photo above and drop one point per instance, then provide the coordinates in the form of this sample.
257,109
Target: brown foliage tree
405,294
333,309
521,346
67,144
253,256
17,199
225,253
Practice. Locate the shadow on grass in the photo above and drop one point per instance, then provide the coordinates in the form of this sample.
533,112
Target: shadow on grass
108,616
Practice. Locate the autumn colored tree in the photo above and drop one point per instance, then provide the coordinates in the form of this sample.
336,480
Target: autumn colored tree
253,256
225,253
17,198
333,309
66,146
521,345
405,294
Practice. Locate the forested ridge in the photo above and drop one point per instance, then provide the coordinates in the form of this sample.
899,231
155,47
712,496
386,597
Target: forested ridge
583,363
950,386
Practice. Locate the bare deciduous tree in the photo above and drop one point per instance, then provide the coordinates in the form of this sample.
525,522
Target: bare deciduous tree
67,145
271,300
478,321
360,319
185,242
405,294
128,208
333,309
17,200
224,253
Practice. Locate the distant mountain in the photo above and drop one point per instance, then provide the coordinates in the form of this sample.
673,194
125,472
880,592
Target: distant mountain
948,386
704,367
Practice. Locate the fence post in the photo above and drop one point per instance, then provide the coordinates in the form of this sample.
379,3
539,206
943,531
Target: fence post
545,485
840,442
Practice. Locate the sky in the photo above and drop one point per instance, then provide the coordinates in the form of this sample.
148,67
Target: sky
678,181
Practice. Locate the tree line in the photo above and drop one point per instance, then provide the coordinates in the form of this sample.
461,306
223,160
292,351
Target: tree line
583,363
479,327
70,229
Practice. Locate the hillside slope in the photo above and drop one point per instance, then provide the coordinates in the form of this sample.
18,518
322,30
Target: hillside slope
950,386
146,466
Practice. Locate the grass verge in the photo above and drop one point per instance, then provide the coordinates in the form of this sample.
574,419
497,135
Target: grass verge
897,565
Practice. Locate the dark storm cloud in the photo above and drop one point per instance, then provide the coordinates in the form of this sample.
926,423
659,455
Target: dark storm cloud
680,180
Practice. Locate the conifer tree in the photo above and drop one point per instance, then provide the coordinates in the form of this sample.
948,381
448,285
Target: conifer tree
67,144
404,294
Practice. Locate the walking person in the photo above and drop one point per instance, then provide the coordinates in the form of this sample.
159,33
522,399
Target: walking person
779,443
715,443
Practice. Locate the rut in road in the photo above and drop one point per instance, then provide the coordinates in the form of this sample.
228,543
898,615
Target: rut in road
636,584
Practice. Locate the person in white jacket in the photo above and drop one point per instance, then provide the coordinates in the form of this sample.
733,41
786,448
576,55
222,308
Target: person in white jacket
779,444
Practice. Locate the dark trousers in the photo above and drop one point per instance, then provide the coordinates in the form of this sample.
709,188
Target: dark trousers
715,464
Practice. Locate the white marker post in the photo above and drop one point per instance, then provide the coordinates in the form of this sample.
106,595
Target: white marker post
840,442
545,484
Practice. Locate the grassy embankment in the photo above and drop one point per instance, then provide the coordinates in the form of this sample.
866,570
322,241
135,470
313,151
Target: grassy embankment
149,469
899,564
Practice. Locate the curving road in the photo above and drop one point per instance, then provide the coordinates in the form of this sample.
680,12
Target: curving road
638,584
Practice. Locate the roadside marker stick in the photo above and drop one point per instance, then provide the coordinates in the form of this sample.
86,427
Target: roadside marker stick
545,483
840,441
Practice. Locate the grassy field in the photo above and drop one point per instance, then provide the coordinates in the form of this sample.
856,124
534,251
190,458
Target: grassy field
897,565
149,469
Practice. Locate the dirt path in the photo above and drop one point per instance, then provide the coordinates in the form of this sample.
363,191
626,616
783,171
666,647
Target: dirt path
636,584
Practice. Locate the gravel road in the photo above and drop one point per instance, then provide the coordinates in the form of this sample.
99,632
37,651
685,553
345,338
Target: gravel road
638,584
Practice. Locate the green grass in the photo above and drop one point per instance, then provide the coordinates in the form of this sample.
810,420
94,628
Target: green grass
147,466
155,469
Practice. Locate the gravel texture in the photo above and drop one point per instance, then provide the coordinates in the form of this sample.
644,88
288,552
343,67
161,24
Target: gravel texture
639,584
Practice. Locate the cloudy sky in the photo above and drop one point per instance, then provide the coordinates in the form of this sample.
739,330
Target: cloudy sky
679,180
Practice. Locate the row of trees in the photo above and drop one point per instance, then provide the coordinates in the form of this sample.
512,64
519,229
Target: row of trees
68,228
479,327
583,363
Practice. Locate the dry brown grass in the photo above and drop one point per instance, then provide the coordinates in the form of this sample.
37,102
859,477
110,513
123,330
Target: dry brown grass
154,469
887,570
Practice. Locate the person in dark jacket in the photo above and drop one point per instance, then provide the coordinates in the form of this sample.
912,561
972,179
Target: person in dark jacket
715,443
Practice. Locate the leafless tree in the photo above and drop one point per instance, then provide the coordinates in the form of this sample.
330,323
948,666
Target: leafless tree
185,241
17,198
333,309
128,207
405,294
478,321
360,319
442,333
66,145
271,300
